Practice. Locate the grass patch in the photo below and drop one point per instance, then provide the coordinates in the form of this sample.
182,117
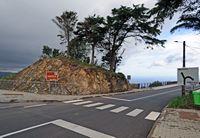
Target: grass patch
185,102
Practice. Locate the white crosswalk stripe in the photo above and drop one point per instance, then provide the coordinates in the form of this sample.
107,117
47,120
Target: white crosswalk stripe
81,103
152,116
135,112
105,106
120,109
92,105
73,101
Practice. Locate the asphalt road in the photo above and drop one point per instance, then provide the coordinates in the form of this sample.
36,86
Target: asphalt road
121,116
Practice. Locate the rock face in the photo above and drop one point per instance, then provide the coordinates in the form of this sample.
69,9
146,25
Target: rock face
74,78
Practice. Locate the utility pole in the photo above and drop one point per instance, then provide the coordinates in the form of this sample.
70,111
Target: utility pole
183,86
184,54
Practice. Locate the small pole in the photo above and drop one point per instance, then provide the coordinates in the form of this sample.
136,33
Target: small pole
184,54
183,86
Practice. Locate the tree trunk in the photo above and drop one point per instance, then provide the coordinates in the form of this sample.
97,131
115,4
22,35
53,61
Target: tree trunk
68,43
92,58
112,62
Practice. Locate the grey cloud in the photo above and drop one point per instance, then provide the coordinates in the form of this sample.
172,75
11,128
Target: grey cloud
26,25
173,58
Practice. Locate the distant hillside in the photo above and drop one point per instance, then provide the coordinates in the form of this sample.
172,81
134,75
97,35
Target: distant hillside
3,74
74,78
7,75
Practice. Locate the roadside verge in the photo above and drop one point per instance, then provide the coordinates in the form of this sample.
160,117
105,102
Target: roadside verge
13,96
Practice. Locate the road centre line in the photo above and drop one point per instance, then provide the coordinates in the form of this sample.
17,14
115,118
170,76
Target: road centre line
141,98
36,105
67,125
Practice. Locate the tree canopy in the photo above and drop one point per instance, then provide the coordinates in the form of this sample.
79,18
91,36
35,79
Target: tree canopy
66,23
188,9
92,32
126,22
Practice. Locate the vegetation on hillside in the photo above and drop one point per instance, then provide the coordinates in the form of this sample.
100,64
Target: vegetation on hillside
104,37
155,84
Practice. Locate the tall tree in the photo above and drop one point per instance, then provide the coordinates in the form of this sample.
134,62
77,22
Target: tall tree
126,22
91,31
79,49
188,21
66,22
167,8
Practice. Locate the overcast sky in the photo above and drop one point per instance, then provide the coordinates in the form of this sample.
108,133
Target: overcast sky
25,26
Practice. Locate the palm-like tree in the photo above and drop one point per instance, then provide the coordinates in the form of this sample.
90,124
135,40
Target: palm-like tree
189,21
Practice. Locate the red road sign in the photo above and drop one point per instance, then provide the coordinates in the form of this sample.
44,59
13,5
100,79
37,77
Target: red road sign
52,76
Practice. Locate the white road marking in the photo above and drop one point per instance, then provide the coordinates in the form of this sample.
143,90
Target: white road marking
80,103
135,112
92,105
120,109
105,106
36,105
81,130
152,116
73,101
141,98
67,125
26,129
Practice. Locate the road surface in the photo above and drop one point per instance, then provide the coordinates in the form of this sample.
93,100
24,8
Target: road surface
120,116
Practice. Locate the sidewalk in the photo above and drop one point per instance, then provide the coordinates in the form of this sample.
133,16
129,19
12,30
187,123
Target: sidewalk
177,123
13,96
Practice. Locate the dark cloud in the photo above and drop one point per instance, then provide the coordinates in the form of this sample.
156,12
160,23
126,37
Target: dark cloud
25,26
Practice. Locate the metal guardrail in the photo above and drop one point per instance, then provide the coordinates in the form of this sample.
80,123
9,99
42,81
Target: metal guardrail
148,85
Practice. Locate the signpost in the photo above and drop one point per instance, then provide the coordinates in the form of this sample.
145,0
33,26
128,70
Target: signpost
52,76
129,77
187,76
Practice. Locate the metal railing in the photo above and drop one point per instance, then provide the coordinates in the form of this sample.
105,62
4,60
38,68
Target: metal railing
148,85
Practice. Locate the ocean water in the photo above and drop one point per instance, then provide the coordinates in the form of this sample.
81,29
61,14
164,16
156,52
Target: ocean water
142,79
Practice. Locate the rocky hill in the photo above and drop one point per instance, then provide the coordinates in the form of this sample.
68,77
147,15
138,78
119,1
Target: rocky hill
74,78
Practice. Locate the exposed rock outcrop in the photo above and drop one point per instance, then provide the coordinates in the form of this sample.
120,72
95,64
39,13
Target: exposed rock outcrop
74,78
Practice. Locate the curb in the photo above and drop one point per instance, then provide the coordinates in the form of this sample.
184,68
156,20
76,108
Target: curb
86,97
157,121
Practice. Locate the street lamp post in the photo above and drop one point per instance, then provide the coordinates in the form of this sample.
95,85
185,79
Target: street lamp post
184,54
184,44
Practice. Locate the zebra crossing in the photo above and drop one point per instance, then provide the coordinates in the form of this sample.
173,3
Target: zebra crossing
101,106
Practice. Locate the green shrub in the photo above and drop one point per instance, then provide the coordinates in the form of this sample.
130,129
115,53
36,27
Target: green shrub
155,84
121,76
182,102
